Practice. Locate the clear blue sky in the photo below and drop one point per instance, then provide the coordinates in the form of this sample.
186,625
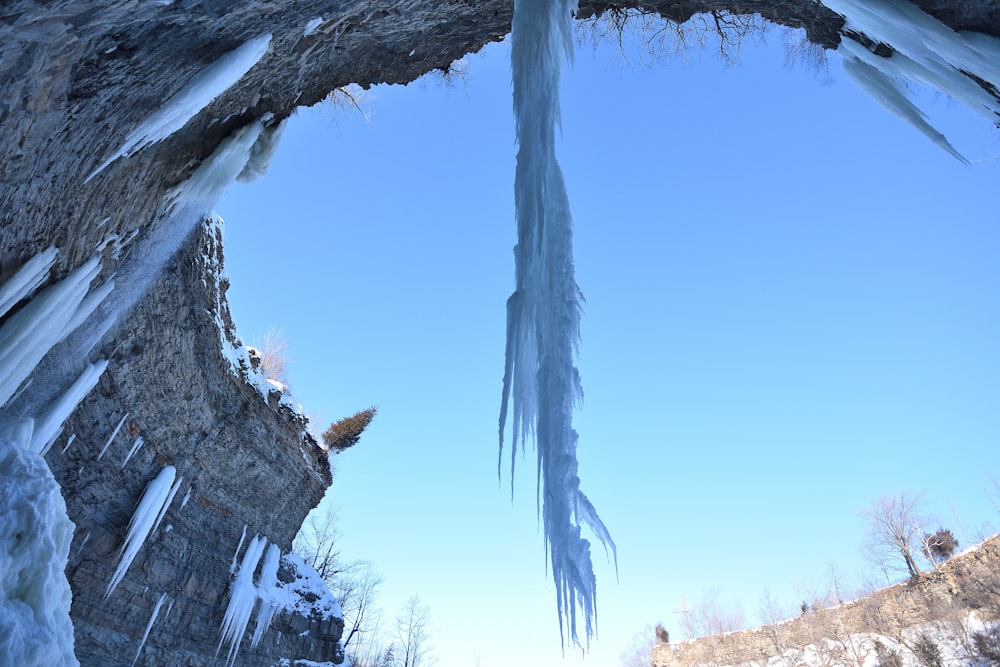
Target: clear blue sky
792,308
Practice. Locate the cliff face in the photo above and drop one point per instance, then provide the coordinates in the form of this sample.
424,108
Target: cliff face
75,79
944,606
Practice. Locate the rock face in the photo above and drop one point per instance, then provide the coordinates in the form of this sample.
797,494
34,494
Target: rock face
75,79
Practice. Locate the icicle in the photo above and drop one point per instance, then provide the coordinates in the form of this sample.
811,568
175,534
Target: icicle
149,625
192,98
27,279
543,313
267,586
242,598
243,536
170,498
32,331
925,50
48,425
262,153
69,441
113,434
312,25
187,497
135,447
154,498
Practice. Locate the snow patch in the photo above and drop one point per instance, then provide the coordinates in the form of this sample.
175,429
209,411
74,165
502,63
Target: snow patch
204,87
35,536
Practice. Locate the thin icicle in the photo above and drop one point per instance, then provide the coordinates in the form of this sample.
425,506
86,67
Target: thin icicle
242,599
69,441
149,625
154,498
541,383
187,497
136,444
28,278
113,434
243,536
204,87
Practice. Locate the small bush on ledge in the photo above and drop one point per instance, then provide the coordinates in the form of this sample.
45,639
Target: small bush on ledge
347,432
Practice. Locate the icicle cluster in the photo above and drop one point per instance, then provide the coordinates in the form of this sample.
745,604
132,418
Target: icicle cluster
242,598
924,50
541,384
147,516
192,98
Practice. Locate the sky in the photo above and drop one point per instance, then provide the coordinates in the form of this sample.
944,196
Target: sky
791,310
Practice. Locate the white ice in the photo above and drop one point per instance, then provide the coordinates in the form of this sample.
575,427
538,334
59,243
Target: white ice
154,498
44,321
242,598
35,536
112,437
267,590
166,505
261,153
312,25
543,314
149,625
48,425
926,51
204,87
27,279
243,536
136,444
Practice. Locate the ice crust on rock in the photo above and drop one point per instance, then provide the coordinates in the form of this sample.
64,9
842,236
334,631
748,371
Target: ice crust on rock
35,536
541,384
204,87
154,500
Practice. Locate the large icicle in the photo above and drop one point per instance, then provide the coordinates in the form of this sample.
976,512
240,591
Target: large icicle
242,598
543,314
926,51
48,425
268,591
27,279
154,498
192,98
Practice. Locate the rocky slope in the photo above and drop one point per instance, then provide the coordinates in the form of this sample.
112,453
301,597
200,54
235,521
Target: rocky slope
944,607
76,78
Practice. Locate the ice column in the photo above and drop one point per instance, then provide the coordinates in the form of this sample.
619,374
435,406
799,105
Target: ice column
541,384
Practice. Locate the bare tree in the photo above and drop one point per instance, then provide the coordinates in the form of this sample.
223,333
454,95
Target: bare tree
894,524
713,617
273,355
412,634
640,651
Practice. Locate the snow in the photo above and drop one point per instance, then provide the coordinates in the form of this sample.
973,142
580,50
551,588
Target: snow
156,496
27,279
242,598
312,25
311,597
543,314
924,50
149,625
35,536
113,434
44,321
204,87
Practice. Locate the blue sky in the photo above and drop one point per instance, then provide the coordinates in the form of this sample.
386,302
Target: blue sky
791,310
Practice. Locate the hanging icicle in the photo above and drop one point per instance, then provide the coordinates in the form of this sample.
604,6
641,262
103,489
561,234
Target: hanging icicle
541,383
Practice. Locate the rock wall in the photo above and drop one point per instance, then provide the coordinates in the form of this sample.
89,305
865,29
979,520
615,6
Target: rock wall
75,79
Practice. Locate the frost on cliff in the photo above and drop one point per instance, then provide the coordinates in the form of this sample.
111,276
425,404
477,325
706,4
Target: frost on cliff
541,385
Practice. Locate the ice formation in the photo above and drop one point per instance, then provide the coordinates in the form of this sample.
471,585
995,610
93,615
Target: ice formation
541,383
154,500
149,625
136,444
35,536
48,425
192,98
242,598
267,591
112,437
44,321
27,279
262,152
312,25
924,50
